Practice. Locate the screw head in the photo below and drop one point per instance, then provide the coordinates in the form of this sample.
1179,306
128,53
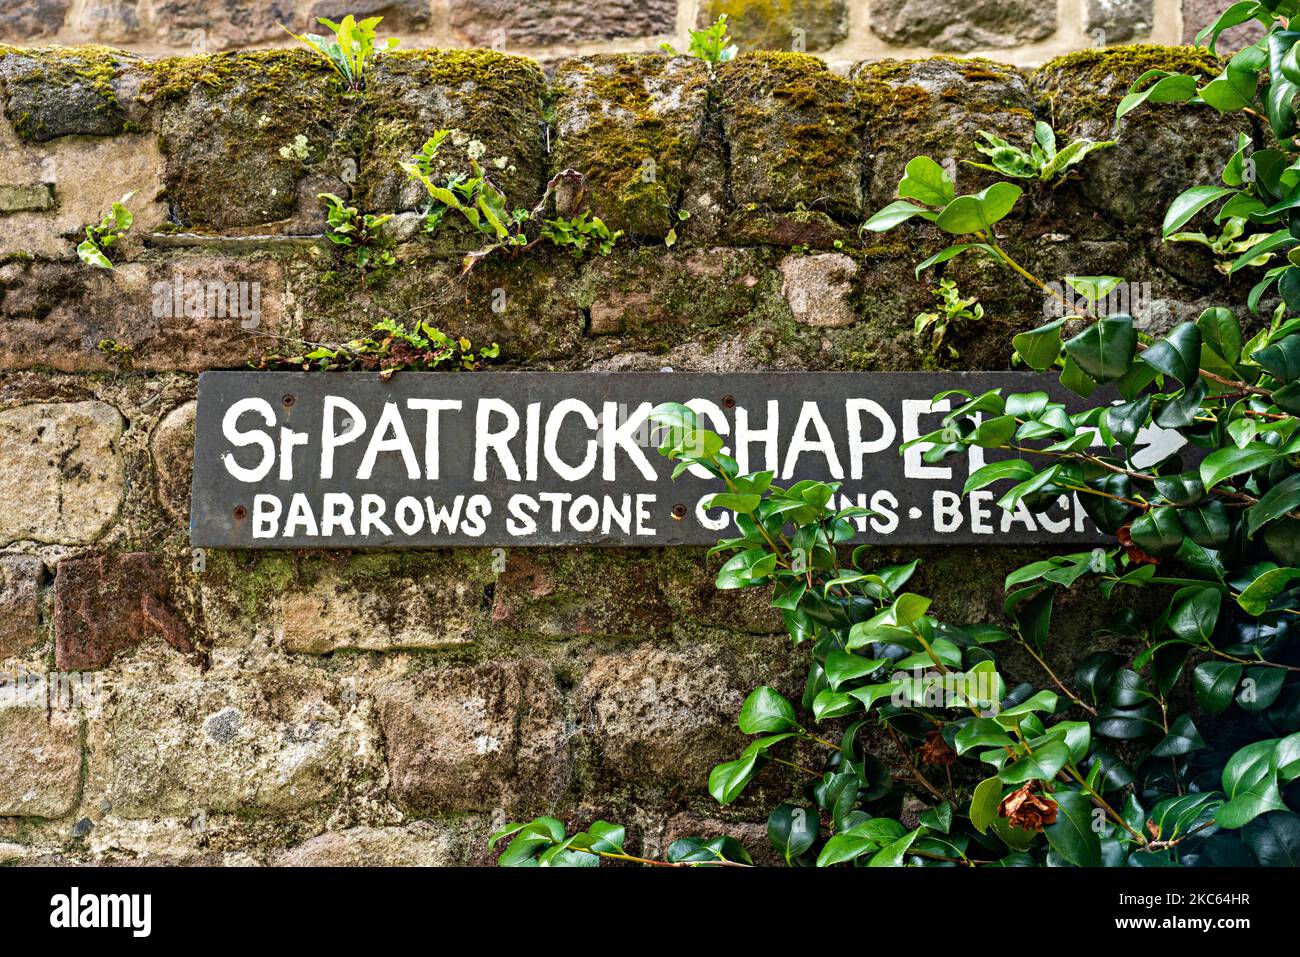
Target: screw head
728,401
679,512
287,399
240,512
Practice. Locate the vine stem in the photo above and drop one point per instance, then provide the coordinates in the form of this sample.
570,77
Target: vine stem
1258,662
1174,842
791,764
1105,805
1042,663
916,773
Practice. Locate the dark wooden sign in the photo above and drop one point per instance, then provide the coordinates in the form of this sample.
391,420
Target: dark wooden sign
347,460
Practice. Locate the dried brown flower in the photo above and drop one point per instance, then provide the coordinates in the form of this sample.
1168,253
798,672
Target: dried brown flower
935,750
1027,810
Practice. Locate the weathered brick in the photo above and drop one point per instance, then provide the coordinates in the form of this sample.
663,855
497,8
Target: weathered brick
962,25
61,471
223,122
476,738
496,23
40,762
109,603
47,96
661,717
109,21
936,108
383,602
22,20
818,289
493,103
420,844
631,125
20,577
565,594
56,314
1199,14
211,25
25,197
270,740
403,15
648,293
171,446
1118,20
788,25
794,133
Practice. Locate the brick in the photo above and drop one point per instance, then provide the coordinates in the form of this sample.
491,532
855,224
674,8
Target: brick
20,577
56,314
818,288
794,132
478,738
816,24
61,471
631,125
40,762
273,740
960,25
110,603
212,25
1118,20
420,844
660,717
171,446
384,602
564,594
22,20
23,197
493,23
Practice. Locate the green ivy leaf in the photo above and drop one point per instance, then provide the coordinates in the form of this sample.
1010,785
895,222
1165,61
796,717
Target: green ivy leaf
1040,347
1250,782
1183,738
1215,682
792,830
1259,594
1178,354
766,710
1158,532
1104,351
1223,464
1072,835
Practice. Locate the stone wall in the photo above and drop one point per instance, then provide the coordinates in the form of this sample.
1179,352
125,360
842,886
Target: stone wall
843,31
393,707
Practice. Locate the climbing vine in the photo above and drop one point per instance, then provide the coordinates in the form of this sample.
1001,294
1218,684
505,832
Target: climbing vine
1180,747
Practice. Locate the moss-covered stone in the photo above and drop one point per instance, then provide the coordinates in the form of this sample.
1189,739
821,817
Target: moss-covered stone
492,100
936,107
63,91
962,25
654,299
780,24
525,303
1162,149
225,120
794,133
631,124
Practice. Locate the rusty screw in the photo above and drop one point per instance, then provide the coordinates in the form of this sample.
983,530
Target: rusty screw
240,512
728,401
287,399
679,512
